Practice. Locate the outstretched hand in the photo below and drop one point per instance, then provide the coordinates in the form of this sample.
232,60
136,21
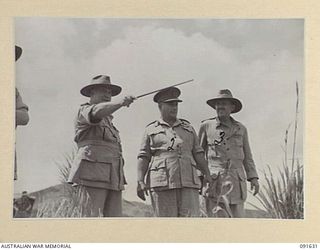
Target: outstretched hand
127,100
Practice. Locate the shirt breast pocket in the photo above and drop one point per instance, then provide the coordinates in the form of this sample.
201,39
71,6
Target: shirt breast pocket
158,138
237,147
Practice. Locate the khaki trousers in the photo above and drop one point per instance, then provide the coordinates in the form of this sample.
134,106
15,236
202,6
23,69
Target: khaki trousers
104,202
180,202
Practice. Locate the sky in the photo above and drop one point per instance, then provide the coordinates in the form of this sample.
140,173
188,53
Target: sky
260,61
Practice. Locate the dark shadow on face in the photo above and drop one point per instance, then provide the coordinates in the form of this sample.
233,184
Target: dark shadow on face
169,110
100,94
224,108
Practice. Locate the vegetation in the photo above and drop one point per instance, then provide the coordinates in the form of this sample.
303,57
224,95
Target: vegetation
74,201
283,197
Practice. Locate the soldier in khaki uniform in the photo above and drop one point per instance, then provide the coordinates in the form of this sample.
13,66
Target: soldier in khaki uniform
98,164
227,150
167,161
22,116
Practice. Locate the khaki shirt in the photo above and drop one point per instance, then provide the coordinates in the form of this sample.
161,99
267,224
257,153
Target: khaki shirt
227,147
170,152
98,162
228,153
22,116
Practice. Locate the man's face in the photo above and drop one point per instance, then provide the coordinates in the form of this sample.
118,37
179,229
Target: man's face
100,94
169,109
224,108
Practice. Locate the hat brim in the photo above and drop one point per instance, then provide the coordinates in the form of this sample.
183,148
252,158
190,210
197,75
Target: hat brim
18,52
236,102
115,89
172,100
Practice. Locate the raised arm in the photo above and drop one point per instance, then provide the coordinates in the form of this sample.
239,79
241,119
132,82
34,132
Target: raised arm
104,109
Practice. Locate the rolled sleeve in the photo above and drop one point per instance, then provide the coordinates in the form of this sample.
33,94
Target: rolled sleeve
85,115
145,150
248,161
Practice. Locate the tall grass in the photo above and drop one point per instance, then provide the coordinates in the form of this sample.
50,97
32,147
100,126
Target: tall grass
283,197
74,203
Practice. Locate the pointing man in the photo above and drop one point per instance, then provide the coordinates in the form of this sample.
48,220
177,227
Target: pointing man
98,165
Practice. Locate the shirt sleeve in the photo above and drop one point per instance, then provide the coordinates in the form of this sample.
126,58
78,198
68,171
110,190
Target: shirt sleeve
202,137
248,162
196,146
22,116
145,150
85,115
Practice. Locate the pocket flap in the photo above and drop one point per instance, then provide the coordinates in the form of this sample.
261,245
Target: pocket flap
156,131
158,164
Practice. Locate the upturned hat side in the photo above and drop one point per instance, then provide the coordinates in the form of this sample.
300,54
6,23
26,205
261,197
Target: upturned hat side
18,52
101,81
225,94
170,94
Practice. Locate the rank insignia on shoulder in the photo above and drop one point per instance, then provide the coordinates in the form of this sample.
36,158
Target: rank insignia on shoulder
213,118
84,104
151,123
186,125
184,121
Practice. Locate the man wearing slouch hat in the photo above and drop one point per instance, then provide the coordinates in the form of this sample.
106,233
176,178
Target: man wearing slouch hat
98,164
226,144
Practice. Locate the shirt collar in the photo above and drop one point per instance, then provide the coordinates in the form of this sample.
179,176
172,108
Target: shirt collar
219,123
162,122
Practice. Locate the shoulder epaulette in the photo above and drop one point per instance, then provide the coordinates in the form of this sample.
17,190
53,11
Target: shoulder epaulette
83,104
184,120
213,118
186,125
151,123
